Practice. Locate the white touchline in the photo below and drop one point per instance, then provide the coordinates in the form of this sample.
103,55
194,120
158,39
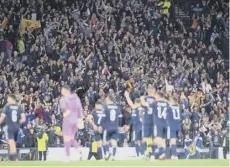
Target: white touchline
115,166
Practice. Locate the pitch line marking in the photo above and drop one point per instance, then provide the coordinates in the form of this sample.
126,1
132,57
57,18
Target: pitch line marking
113,166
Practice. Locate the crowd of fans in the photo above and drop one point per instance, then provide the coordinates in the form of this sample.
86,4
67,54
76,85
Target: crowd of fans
210,19
101,46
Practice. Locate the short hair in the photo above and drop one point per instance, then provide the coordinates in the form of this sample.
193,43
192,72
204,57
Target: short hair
67,87
12,96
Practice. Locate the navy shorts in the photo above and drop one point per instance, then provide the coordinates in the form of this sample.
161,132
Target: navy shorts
137,135
97,136
172,133
11,134
147,131
110,135
161,131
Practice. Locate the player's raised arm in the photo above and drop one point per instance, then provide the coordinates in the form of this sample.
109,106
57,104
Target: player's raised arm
89,119
128,99
144,102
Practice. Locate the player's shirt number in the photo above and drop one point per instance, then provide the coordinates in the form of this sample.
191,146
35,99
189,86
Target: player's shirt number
112,115
161,112
150,101
176,113
14,116
150,111
99,118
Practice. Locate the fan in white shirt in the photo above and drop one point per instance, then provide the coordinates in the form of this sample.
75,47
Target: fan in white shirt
169,86
206,87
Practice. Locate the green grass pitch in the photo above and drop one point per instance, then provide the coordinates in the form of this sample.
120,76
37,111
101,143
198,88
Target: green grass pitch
139,163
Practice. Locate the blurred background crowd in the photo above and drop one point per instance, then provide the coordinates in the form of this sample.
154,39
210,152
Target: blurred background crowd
101,46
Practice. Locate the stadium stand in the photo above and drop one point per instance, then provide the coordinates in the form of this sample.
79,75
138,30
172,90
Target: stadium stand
99,46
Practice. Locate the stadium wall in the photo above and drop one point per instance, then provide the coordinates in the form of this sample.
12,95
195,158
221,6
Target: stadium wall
123,153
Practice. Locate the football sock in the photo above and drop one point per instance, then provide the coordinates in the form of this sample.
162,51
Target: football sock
143,147
161,150
99,151
114,151
153,149
137,148
110,145
106,148
67,147
110,148
173,150
13,156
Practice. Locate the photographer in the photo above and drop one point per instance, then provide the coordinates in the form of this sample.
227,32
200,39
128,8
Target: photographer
42,140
